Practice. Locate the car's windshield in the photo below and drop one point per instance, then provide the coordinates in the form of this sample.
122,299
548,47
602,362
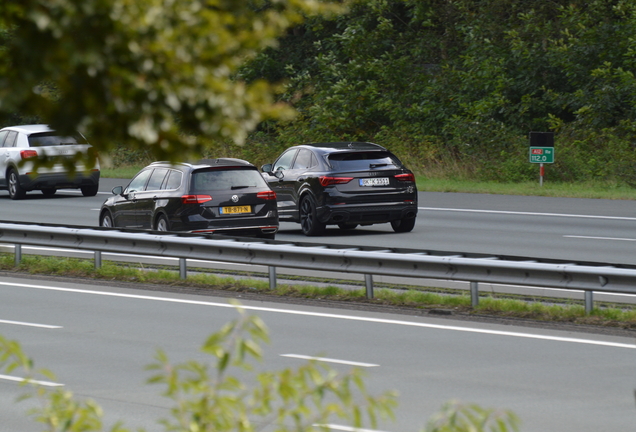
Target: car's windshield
47,139
226,179
363,160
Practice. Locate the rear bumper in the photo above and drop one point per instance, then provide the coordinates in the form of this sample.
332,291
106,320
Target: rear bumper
367,213
59,180
248,226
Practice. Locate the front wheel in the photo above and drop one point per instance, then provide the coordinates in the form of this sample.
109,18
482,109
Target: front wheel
403,225
309,223
162,224
89,190
16,191
106,221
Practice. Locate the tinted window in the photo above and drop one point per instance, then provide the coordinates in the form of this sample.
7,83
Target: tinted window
156,179
3,135
47,139
304,160
215,179
137,184
285,161
363,160
173,181
10,141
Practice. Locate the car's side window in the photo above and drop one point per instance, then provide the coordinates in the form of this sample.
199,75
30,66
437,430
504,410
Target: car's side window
305,159
285,161
3,135
10,140
137,184
156,179
173,181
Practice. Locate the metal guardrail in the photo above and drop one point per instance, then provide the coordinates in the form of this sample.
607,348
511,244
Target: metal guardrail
473,268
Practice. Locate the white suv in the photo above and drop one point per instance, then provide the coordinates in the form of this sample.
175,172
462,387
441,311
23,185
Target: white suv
19,145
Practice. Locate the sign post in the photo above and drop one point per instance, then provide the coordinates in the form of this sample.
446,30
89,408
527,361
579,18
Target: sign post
541,150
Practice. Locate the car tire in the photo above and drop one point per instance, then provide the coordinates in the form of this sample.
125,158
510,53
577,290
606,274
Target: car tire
49,191
162,224
16,191
106,220
403,225
309,223
347,226
89,190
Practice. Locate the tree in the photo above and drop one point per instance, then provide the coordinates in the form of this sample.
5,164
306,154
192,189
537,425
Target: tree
208,397
149,74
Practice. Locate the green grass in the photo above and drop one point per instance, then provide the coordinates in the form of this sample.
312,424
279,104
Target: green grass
457,301
429,184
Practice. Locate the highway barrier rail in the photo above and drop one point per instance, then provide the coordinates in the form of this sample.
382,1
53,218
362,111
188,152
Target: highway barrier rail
369,261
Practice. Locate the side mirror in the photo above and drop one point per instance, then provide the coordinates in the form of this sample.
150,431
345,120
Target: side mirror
267,168
117,190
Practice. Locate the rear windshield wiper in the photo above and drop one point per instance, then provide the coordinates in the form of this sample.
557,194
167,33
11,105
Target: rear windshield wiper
239,187
378,165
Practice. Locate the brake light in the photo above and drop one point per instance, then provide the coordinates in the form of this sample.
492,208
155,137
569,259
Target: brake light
405,177
195,199
268,195
26,154
328,181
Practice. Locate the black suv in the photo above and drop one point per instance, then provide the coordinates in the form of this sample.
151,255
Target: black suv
227,196
342,183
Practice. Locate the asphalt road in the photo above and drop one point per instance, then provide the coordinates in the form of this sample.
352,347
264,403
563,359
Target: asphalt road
102,337
558,228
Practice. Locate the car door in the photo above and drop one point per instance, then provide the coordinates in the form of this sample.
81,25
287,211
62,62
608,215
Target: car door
296,177
282,182
146,198
126,207
3,158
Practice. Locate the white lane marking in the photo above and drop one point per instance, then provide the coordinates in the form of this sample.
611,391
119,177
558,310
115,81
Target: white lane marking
329,360
43,383
30,324
330,315
345,428
600,238
528,213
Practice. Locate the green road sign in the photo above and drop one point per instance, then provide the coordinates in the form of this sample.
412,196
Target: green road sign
542,154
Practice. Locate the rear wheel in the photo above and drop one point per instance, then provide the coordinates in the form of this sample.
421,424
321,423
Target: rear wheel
403,225
15,190
309,223
162,224
49,191
89,190
106,220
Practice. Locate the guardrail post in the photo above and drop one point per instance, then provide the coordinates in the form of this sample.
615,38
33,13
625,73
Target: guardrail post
183,268
17,249
368,282
589,302
474,294
98,260
272,277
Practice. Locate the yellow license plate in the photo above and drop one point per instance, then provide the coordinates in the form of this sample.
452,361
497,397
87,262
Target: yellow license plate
236,209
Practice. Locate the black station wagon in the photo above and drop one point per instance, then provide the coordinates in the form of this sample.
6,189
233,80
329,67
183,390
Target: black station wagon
342,183
227,196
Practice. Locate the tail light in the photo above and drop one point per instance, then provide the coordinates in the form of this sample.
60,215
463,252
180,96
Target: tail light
26,154
267,195
195,199
328,181
405,177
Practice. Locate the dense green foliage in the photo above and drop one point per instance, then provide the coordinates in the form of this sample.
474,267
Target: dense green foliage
456,85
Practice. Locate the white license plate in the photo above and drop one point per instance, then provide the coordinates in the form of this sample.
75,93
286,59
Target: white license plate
380,181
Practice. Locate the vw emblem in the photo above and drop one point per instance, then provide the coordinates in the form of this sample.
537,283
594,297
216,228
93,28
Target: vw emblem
234,198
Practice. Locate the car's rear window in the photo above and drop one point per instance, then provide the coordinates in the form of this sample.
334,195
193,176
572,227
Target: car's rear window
226,179
363,160
47,139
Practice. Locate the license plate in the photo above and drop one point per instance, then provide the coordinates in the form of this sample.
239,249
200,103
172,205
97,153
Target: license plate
380,181
236,209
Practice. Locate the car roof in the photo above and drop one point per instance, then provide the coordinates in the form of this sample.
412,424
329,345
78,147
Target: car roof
29,129
329,147
206,163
